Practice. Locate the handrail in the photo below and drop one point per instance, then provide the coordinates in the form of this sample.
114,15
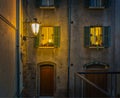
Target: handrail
83,72
93,84
100,72
7,22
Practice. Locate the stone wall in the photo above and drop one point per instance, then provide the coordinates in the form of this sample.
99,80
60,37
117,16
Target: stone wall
86,17
7,48
81,17
32,55
79,55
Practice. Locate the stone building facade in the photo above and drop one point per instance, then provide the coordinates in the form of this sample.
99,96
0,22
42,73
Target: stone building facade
10,61
7,48
35,57
72,16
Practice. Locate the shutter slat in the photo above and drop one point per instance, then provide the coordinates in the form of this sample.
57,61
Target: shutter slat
107,3
38,3
57,3
86,3
106,36
56,36
44,2
51,2
37,40
87,36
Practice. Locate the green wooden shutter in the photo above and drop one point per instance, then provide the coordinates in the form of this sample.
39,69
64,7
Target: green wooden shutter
106,36
57,2
87,36
86,3
107,3
56,36
37,40
38,3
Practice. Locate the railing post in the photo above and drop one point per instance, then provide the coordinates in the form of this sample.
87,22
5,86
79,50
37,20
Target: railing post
74,85
83,80
115,85
112,86
82,86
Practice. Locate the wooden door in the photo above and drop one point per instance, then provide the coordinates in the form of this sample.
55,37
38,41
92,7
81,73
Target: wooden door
46,80
100,80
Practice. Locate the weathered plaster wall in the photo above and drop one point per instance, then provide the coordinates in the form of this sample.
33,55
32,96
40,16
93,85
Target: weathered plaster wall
80,55
7,49
33,56
87,17
8,10
80,17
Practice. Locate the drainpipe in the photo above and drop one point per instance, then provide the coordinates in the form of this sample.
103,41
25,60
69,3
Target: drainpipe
17,48
115,23
69,44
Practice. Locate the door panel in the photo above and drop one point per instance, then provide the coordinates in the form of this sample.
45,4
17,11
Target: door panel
46,80
100,80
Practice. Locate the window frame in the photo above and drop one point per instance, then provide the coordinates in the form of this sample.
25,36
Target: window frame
95,31
47,36
98,4
48,6
56,37
105,37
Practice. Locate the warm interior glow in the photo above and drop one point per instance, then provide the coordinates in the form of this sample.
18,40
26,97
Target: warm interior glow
50,41
96,36
35,28
46,37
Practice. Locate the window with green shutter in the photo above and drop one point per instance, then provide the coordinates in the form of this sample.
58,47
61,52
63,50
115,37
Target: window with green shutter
47,4
97,36
97,4
49,37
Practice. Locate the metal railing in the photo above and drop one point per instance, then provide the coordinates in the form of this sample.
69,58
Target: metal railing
7,21
80,82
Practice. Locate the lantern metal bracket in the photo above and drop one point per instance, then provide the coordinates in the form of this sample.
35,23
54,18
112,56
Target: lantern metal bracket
35,31
25,37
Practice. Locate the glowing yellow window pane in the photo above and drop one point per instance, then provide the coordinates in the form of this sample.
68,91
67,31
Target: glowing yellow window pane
47,39
96,36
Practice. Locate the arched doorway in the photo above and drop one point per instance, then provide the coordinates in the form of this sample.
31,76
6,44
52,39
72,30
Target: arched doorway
47,77
101,80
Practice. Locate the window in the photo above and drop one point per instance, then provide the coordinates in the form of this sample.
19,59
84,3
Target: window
97,36
97,4
48,37
47,3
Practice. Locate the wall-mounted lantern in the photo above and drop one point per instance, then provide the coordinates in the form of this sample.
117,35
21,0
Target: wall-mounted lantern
35,25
